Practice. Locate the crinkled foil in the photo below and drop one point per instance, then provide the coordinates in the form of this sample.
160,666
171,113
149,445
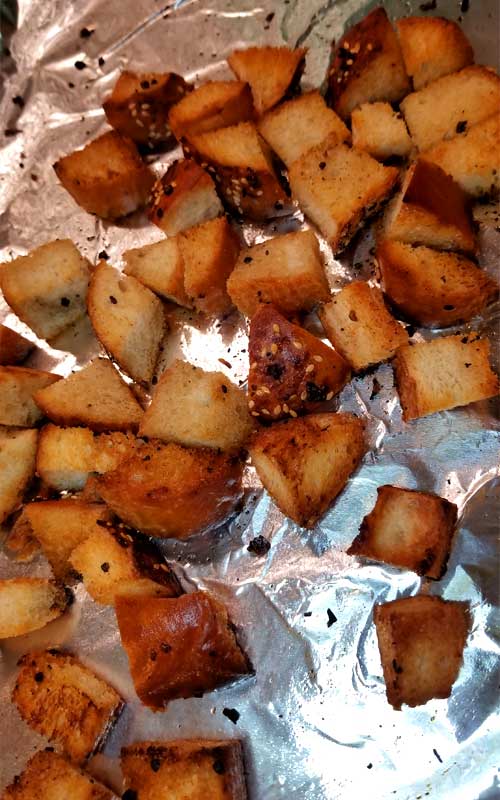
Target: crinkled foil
314,720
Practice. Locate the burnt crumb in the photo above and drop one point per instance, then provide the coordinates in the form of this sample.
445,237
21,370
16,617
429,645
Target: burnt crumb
130,794
437,755
103,255
165,647
101,61
461,126
397,669
247,259
259,545
113,299
429,6
105,566
218,767
464,6
80,65
65,301
39,676
232,714
315,393
18,101
376,387
86,33
331,618
275,371
155,764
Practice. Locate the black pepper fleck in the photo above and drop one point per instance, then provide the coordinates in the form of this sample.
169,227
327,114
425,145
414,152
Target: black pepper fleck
259,546
155,764
322,165
65,301
247,259
18,101
461,126
232,714
39,677
103,255
105,566
331,618
86,33
218,766
113,299
430,6
130,794
80,65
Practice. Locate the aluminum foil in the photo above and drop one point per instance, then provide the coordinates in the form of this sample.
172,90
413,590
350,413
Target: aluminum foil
314,720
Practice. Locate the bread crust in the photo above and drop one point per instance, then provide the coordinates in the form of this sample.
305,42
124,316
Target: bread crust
432,47
51,777
14,348
183,197
272,72
213,105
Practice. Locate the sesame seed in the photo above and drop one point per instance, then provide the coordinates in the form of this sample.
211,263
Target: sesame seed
253,365
310,368
265,411
263,352
255,413
276,328
296,344
293,413
274,349
276,410
285,408
329,395
265,390
251,404
319,359
303,396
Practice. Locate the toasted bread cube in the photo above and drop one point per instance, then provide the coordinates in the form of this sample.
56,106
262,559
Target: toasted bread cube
178,647
21,541
183,197
432,47
207,768
197,408
51,777
444,373
380,131
286,271
421,641
368,65
338,188
360,327
290,369
160,267
27,604
272,72
65,701
48,287
209,252
304,463
215,104
14,348
139,105
17,467
409,529
128,319
432,288
17,387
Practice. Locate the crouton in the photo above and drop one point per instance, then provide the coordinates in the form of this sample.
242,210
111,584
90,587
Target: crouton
409,529
431,288
172,491
66,702
160,267
183,197
67,456
421,641
380,131
450,104
178,647
27,604
139,105
17,467
107,177
47,288
272,72
286,271
290,369
96,397
338,188
209,253
304,463
128,319
368,65
17,387
240,161
360,327
215,104
206,768
432,47
299,124
197,408
51,777
444,373
14,348
21,541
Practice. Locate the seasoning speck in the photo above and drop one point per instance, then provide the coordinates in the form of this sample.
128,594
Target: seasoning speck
39,677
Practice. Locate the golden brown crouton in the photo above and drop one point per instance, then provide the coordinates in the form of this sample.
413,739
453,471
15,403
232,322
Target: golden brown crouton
444,373
66,702
409,529
14,348
286,271
183,197
272,72
290,369
338,188
304,463
178,647
27,604
17,387
50,777
432,288
380,131
421,641
215,104
206,768
48,287
17,467
432,47
197,408
360,327
160,267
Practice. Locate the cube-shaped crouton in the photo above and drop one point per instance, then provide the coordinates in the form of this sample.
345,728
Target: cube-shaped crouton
380,131
194,407
47,288
209,253
65,701
139,105
432,47
183,197
215,104
17,467
178,647
14,348
338,188
21,542
421,641
51,777
160,267
211,768
286,271
241,163
360,327
96,397
444,373
304,463
17,387
272,72
450,104
290,369
27,604
172,491
368,65
409,529
432,288
299,124
128,319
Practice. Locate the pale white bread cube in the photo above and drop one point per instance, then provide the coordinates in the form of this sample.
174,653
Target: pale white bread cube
47,288
432,47
214,104
271,72
160,267
184,196
17,387
380,131
14,348
28,604
17,467
49,776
